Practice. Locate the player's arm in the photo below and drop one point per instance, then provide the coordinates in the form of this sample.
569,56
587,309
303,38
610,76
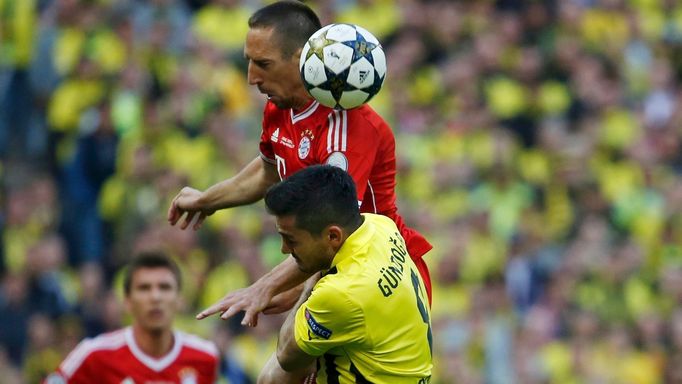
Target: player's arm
289,355
258,297
247,186
330,317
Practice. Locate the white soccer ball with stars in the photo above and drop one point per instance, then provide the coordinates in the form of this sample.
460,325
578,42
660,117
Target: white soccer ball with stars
343,66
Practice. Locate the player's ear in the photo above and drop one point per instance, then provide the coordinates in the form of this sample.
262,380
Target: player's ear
335,236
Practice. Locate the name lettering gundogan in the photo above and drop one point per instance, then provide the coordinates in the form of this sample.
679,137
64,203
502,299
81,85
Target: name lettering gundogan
392,274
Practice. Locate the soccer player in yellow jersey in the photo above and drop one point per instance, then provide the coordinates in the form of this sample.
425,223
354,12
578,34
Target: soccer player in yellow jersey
366,320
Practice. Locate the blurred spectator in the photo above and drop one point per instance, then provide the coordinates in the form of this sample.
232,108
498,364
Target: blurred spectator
15,315
44,265
17,38
93,162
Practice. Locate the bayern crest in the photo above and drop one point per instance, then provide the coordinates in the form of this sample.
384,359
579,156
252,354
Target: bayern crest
304,147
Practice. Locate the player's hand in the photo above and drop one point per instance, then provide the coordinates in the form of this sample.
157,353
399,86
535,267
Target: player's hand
252,300
187,202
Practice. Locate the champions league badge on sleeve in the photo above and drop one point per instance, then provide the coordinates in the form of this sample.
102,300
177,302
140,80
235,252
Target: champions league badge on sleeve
317,328
339,160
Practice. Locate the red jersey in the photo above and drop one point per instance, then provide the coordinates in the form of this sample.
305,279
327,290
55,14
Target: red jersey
115,358
357,140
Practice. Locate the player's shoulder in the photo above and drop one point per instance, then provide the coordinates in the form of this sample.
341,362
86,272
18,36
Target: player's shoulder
105,341
367,113
199,345
339,285
333,293
92,348
363,118
332,284
381,221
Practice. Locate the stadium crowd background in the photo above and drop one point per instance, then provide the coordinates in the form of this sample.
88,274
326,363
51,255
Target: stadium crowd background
538,146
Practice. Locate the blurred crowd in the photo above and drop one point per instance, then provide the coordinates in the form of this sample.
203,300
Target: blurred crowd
539,149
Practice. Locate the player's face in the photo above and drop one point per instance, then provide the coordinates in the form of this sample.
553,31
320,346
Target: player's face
153,298
275,76
312,253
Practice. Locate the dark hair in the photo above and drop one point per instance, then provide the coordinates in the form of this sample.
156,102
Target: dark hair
317,196
149,260
293,23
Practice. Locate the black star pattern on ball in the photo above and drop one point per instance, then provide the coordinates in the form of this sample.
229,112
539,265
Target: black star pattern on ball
337,84
361,48
375,87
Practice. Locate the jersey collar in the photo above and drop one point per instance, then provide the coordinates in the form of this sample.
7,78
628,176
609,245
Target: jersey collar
357,242
307,111
152,363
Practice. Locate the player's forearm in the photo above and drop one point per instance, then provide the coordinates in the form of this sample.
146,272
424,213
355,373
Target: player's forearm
284,276
287,350
289,354
246,187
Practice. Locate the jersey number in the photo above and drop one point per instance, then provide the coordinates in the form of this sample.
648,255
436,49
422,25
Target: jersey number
422,308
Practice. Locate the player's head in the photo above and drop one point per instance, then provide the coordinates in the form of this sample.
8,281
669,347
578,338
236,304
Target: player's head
277,34
152,291
315,209
292,22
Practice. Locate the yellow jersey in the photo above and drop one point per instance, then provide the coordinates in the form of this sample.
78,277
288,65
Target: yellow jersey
367,319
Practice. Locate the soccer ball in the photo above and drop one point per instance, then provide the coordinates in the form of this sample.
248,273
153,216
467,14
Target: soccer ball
342,66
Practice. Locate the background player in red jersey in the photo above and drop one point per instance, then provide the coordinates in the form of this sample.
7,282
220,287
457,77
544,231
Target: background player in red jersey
297,132
149,350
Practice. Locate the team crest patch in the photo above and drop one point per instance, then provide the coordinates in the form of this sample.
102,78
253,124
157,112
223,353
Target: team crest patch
188,376
305,143
304,147
317,328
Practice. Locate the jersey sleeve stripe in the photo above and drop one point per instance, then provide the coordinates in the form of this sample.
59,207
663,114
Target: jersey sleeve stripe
344,135
76,358
371,192
337,121
331,370
359,378
330,131
337,133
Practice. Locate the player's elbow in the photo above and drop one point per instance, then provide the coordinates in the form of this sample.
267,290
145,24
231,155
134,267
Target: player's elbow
293,359
286,360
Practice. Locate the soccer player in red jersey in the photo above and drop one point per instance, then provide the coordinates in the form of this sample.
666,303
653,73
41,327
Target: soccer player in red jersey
149,350
297,132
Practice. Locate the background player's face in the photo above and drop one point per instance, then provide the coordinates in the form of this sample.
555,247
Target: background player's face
153,298
312,253
275,76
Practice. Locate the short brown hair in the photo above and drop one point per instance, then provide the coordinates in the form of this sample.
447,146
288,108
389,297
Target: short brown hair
292,21
150,260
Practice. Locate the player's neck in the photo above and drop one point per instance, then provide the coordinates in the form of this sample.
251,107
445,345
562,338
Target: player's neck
155,344
302,104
